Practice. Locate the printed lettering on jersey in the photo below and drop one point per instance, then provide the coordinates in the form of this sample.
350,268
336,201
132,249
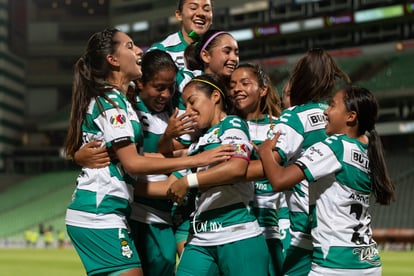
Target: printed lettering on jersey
241,143
207,226
368,254
364,199
312,153
316,119
117,120
357,159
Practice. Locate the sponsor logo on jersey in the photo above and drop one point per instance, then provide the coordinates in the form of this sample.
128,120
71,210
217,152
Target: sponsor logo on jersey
117,120
263,186
233,138
313,151
241,150
317,119
207,226
361,198
368,254
360,160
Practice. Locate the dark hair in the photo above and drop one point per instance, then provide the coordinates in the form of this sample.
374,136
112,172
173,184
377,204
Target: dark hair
208,83
193,51
364,103
314,77
152,62
90,72
271,103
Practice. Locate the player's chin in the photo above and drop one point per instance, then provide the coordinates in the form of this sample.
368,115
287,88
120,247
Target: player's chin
328,130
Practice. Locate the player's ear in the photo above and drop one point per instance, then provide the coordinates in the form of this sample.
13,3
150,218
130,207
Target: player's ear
112,60
178,16
352,118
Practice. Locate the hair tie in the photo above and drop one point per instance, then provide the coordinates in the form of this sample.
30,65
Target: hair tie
210,39
209,83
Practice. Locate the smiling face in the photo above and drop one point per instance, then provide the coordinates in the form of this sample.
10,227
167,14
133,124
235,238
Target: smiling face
204,106
195,15
245,91
158,91
127,57
223,57
337,115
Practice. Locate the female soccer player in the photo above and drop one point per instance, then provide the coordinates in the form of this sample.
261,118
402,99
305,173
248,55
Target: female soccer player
96,217
225,237
352,157
255,99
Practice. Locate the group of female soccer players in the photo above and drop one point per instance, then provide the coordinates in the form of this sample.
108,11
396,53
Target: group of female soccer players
202,161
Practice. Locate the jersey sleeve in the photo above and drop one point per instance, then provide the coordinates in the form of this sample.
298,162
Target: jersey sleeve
117,126
289,144
235,132
317,161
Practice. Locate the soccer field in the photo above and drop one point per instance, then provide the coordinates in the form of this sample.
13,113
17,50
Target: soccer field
65,262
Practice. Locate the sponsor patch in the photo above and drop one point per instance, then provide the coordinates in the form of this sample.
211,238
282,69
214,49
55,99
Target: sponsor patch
317,119
117,120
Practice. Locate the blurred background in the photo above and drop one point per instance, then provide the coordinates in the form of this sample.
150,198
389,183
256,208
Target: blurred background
40,40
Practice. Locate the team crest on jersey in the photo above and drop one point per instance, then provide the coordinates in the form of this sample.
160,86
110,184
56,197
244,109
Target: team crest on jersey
316,119
270,133
214,136
117,120
125,249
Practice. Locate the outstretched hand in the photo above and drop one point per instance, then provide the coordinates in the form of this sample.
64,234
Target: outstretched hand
216,155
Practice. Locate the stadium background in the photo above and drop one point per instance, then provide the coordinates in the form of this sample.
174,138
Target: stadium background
373,40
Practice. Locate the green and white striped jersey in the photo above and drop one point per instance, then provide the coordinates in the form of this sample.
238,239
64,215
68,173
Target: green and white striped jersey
269,207
341,232
222,213
150,210
102,196
300,126
174,45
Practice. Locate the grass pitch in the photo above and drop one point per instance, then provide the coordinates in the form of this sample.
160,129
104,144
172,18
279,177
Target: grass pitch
65,262
40,262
